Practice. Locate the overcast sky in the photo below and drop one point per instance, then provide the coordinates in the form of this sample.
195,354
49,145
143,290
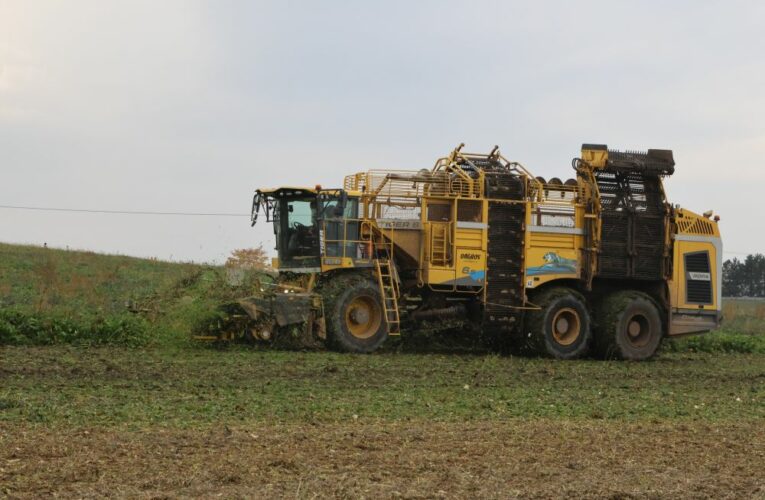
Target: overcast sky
189,106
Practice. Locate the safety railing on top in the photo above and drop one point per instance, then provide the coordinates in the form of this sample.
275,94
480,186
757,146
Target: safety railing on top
448,179
401,187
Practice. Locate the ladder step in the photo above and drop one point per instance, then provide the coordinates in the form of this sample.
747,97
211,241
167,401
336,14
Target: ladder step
389,293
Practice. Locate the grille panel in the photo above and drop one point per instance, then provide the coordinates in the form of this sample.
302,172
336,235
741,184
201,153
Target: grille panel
698,291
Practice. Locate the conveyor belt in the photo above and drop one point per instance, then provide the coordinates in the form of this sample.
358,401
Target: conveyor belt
504,277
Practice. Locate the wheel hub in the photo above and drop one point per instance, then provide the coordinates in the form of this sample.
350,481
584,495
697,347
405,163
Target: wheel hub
638,330
360,315
562,325
363,317
566,326
634,329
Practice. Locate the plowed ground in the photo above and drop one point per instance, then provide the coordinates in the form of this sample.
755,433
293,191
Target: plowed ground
244,424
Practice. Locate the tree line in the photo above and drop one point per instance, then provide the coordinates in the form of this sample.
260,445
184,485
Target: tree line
744,278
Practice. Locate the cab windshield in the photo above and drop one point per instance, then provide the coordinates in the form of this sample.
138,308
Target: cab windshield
297,233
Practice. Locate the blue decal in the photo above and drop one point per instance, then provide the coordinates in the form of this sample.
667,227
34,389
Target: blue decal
554,264
477,275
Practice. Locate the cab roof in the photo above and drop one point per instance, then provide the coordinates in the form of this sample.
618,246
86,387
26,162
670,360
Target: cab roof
286,191
289,191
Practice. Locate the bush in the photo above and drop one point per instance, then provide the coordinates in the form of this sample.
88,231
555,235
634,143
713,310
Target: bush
22,328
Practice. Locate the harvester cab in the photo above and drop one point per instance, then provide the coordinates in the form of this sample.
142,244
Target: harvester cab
308,224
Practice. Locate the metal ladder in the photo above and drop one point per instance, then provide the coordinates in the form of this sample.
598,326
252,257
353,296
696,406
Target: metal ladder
389,294
438,244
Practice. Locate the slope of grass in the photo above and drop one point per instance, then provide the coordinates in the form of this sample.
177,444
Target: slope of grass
50,296
44,279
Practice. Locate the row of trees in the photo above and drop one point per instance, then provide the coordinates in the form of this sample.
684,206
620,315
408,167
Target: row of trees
744,278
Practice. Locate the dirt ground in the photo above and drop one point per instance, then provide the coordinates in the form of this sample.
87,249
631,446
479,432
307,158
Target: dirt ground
416,459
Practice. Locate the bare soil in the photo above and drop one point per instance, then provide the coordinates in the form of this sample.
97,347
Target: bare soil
414,459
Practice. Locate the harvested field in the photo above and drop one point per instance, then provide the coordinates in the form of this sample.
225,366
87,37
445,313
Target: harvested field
160,423
412,459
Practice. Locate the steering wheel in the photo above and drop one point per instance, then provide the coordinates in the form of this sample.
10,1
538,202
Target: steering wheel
298,226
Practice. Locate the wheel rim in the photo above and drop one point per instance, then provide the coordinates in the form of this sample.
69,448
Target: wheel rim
566,326
639,330
363,317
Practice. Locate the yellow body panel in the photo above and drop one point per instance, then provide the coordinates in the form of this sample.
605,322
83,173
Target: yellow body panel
546,240
440,276
470,238
595,157
471,267
696,235
678,285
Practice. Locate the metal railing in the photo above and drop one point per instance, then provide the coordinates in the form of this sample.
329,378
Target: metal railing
357,239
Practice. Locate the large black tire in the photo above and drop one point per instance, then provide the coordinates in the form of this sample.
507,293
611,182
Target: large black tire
354,314
628,326
561,328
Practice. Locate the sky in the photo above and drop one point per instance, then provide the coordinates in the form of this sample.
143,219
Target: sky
188,106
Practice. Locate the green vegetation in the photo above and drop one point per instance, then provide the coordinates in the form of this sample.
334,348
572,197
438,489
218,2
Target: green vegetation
45,279
743,330
197,387
18,328
52,296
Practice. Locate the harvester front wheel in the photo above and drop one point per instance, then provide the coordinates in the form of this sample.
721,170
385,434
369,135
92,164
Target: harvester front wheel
355,317
629,326
561,327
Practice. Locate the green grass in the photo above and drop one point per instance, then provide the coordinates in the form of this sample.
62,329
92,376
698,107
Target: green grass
721,341
195,387
743,330
746,316
43,279
50,296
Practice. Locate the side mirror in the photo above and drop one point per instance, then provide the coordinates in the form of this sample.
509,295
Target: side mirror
343,200
255,209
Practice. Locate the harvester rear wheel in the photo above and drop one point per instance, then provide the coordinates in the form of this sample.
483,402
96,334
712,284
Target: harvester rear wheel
561,328
629,326
354,315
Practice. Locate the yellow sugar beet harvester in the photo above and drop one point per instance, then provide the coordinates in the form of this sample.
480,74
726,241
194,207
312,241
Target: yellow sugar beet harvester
601,261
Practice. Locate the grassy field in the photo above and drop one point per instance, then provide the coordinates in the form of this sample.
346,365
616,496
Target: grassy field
159,416
50,296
